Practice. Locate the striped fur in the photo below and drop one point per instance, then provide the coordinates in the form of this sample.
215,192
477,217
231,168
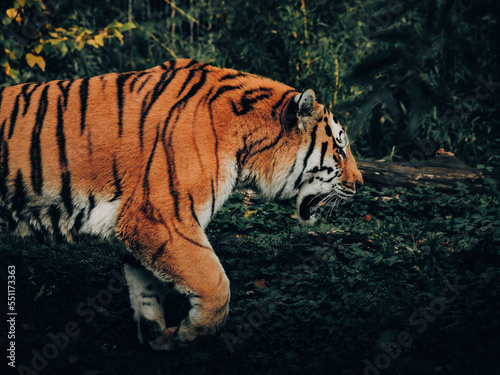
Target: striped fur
150,156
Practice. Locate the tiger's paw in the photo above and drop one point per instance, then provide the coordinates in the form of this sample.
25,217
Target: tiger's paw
154,336
164,341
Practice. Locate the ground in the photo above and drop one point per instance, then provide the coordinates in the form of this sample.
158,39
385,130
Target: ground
401,281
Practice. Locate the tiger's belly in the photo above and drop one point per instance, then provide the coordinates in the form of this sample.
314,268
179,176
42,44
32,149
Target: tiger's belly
49,216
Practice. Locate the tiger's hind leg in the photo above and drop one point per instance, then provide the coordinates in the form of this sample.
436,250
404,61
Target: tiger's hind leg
147,294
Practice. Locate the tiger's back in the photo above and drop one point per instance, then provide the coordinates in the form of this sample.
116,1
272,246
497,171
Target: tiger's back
70,150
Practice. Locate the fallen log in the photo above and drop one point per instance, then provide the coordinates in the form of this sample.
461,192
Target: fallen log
441,173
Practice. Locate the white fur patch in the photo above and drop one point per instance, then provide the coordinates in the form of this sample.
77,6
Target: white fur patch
146,296
226,186
102,219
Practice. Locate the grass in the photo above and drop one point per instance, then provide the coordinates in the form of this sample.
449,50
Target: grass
401,281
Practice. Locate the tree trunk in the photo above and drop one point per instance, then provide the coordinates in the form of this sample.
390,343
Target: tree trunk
441,173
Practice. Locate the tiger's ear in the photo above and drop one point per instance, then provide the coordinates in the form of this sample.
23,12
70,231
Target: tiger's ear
300,109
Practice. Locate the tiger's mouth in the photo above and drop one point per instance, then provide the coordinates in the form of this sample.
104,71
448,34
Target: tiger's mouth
308,208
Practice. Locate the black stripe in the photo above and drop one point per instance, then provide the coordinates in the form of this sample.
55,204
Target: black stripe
280,102
191,64
190,77
84,96
247,101
151,213
334,176
280,193
78,222
335,157
125,207
145,183
342,153
308,155
247,150
63,160
207,95
219,92
35,149
167,65
1,96
240,153
194,89
13,116
324,147
213,198
136,78
55,216
174,191
328,130
91,203
142,120
267,147
4,161
65,90
190,240
27,95
288,116
165,79
158,253
144,83
117,182
232,76
193,212
120,82
172,182
19,198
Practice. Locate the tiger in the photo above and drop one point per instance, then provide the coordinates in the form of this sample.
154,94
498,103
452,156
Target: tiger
148,157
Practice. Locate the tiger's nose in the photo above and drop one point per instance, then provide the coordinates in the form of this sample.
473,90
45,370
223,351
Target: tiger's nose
354,185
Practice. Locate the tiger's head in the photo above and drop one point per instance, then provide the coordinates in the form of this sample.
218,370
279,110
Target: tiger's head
325,171
309,160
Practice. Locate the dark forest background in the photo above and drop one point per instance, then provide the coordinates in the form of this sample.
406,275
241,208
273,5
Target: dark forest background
399,281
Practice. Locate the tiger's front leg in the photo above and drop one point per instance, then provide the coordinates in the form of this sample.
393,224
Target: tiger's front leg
183,256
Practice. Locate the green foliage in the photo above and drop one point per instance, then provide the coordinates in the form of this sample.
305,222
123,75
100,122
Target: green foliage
405,77
384,256
29,38
303,300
